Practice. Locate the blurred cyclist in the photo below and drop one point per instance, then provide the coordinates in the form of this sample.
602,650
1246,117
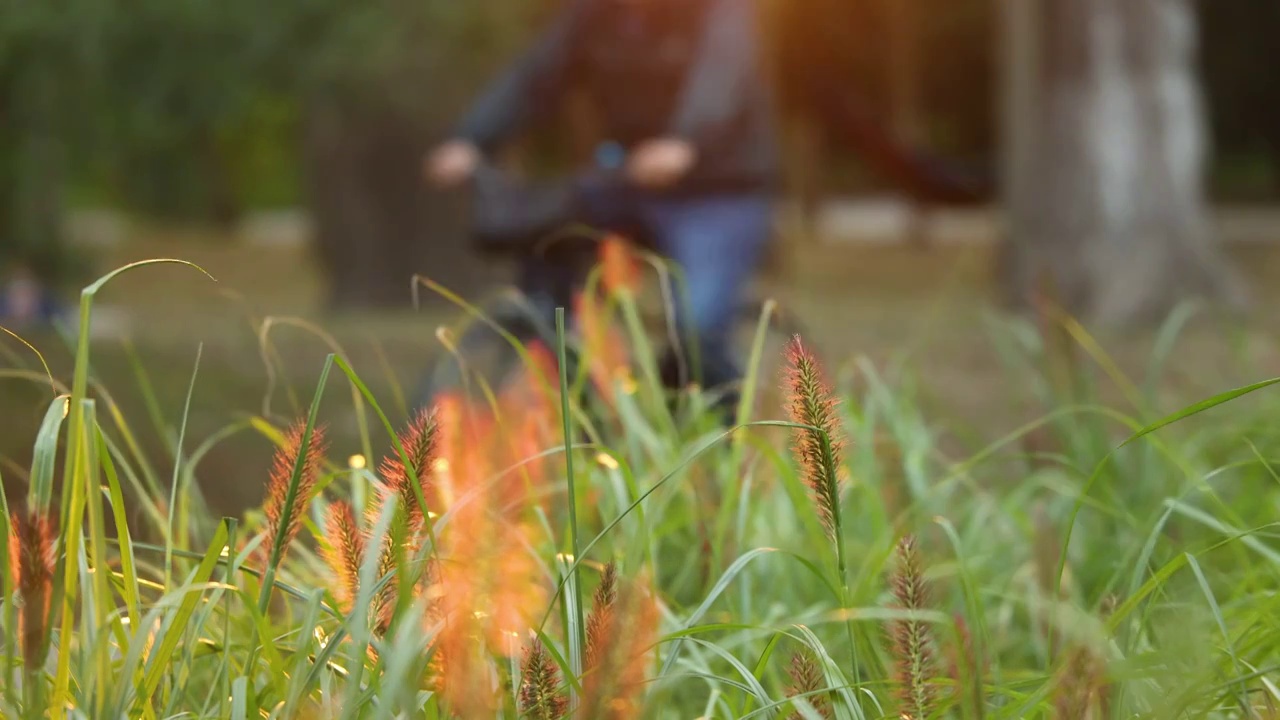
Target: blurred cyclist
685,107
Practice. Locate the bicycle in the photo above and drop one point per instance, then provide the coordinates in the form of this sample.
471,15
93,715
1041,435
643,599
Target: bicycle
511,216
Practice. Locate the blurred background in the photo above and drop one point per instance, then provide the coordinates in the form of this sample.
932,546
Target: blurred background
1119,156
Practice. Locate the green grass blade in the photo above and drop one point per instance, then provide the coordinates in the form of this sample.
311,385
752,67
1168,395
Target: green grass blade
755,690
171,540
73,505
1170,330
1200,407
574,626
761,669
101,599
147,390
1241,692
716,591
747,402
158,663
124,544
573,597
45,455
53,384
305,632
1142,432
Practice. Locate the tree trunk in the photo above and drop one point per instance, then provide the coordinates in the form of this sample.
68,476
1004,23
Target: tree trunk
1106,186
376,224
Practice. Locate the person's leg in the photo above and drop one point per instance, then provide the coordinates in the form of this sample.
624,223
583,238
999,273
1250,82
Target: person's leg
718,244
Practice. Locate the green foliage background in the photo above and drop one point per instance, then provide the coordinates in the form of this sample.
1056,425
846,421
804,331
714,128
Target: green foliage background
192,110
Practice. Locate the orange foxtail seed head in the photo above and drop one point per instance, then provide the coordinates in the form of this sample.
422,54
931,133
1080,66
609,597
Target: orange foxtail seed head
614,684
421,447
33,561
617,265
280,511
817,446
344,552
600,619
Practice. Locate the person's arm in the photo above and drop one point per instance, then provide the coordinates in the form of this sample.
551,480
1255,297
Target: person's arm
528,87
720,80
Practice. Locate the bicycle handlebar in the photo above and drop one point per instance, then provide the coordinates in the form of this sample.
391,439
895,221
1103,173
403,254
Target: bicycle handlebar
510,215
609,164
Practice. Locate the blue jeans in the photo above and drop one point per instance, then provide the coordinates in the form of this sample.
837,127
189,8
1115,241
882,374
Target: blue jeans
717,243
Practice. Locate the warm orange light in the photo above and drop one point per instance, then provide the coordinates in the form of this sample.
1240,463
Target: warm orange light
603,345
619,268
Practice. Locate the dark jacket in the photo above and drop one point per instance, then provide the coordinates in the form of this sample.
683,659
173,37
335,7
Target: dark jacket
653,68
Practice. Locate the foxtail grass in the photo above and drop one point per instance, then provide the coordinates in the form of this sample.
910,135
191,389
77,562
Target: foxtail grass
344,552
33,562
409,477
1169,610
818,441
286,503
809,683
541,694
600,619
613,686
915,664
1083,690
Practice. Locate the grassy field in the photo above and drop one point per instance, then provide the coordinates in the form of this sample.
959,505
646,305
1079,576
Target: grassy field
941,512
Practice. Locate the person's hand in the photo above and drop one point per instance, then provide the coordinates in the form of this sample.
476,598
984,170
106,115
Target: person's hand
453,163
661,163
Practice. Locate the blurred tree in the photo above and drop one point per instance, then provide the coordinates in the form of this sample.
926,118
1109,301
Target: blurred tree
45,66
385,80
192,109
179,81
179,108
1106,193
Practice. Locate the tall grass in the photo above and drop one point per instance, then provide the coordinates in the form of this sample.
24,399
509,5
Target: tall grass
554,548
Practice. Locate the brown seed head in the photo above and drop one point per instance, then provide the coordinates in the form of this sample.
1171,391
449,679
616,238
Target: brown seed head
613,685
280,511
912,640
1082,687
807,680
817,446
33,562
540,693
387,598
345,551
599,621
421,446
